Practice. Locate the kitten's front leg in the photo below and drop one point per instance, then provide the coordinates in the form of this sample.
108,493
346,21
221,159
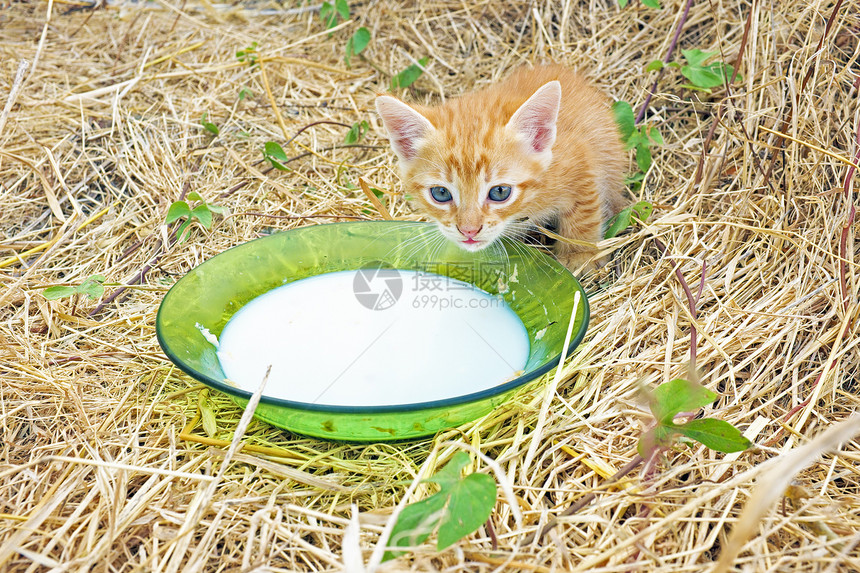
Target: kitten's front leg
581,224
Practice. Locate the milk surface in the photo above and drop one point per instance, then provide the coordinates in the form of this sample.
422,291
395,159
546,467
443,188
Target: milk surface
373,337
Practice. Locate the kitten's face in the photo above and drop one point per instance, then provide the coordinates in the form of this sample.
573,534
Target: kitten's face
473,175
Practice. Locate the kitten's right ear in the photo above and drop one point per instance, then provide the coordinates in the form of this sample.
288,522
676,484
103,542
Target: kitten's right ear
406,127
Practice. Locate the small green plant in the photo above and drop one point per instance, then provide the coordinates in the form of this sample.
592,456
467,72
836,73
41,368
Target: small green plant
408,76
249,55
356,132
702,77
356,44
649,3
682,396
209,126
329,13
622,220
245,93
92,287
639,138
201,213
460,507
275,155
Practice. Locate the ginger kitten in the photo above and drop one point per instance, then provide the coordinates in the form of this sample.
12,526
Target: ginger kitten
539,147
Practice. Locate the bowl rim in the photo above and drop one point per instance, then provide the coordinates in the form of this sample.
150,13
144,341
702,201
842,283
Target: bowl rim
464,399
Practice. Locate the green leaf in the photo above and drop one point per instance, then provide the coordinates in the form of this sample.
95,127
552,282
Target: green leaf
209,126
625,119
716,434
696,88
643,157
618,223
353,134
248,55
697,57
203,214
92,287
462,505
92,290
622,3
408,76
654,66
624,217
328,15
360,40
654,135
450,474
177,210
636,139
678,396
415,524
342,8
182,228
652,3
356,44
703,78
356,132
643,210
194,196
55,292
245,93
470,504
275,154
220,209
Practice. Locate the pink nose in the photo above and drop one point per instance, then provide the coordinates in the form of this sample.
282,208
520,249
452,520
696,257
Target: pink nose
470,232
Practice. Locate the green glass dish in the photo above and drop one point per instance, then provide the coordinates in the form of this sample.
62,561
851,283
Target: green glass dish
535,286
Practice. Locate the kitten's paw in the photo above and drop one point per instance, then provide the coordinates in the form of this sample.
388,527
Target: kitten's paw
578,262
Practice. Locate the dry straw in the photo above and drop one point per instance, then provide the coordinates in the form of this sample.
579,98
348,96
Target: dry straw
104,461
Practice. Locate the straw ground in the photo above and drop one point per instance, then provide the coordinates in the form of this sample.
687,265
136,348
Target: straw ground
105,461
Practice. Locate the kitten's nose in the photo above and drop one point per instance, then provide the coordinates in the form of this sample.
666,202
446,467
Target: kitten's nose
470,232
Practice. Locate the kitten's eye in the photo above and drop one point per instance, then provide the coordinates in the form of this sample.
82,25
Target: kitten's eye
499,193
440,194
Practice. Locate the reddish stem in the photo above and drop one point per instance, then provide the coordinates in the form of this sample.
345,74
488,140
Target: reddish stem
139,277
641,115
849,222
691,300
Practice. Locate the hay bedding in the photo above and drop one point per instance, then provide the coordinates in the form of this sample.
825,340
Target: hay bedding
104,462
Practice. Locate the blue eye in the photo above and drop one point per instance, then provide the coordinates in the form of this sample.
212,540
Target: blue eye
440,194
499,193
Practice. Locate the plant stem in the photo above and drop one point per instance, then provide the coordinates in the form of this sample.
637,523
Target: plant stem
849,222
139,277
691,300
641,115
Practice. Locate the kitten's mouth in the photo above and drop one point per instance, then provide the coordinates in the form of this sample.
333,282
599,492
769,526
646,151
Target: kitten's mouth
473,245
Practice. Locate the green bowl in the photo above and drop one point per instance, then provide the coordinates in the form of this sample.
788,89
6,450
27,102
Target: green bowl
538,289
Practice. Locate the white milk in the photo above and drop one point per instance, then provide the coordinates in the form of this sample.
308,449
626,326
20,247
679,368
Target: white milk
371,338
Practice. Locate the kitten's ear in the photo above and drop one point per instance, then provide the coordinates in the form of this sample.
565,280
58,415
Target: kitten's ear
406,127
534,122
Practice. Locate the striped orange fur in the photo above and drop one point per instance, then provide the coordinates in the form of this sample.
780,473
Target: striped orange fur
539,146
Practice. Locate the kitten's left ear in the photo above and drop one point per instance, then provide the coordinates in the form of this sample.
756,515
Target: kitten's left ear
534,122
